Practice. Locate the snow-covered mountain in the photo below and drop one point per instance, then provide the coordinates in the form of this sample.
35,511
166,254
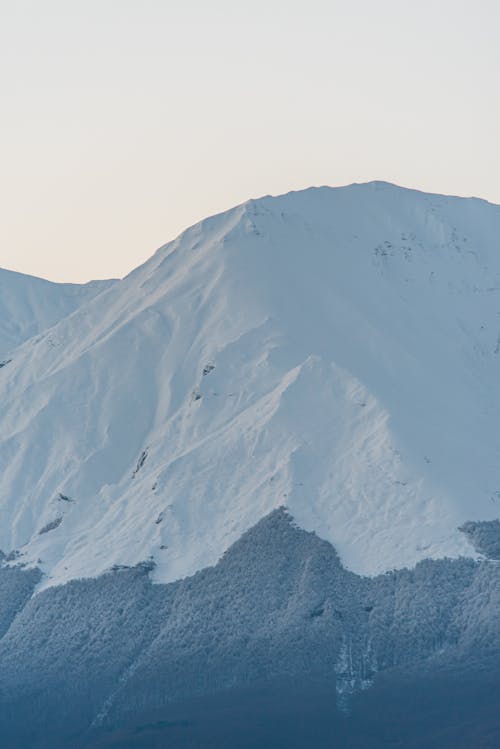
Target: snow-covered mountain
30,305
333,351
323,361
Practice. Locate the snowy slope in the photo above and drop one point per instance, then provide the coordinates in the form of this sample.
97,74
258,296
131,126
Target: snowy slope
30,305
336,351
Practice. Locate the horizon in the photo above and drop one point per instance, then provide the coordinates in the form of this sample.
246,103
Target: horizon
225,210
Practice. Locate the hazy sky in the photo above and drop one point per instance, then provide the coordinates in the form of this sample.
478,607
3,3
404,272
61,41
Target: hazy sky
125,121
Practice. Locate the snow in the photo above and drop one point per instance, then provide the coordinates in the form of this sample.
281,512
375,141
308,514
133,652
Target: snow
29,305
334,350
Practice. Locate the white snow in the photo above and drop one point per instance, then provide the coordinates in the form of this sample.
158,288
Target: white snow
353,341
29,305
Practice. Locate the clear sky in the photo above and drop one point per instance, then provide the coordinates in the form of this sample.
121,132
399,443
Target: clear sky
125,121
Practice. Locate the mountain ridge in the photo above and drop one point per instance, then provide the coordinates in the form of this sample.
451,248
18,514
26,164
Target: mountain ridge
29,305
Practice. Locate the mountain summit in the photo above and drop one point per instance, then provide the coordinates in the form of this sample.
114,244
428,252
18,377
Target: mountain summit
334,351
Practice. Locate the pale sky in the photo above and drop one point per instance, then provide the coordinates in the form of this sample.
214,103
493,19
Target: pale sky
125,121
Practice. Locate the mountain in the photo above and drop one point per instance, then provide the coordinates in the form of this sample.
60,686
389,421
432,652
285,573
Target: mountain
335,351
267,459
30,305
